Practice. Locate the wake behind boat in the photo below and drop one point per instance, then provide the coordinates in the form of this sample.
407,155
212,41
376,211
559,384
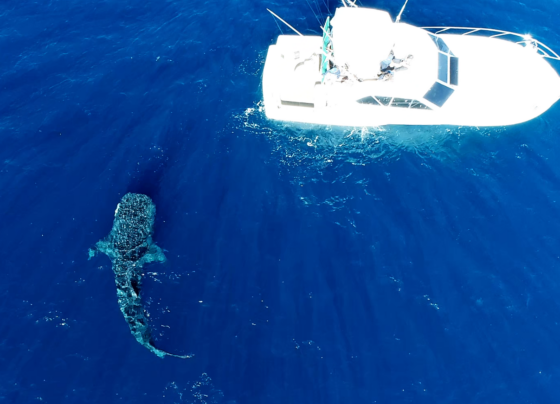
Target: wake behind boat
368,70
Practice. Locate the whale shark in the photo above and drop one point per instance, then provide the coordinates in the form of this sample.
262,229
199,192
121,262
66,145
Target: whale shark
129,245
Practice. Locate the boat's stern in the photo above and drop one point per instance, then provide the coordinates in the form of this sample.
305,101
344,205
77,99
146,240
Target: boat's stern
291,72
269,84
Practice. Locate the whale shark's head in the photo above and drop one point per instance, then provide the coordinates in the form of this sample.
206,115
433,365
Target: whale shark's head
132,227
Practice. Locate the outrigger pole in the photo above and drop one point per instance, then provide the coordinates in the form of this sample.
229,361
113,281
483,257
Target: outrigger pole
352,3
293,29
402,9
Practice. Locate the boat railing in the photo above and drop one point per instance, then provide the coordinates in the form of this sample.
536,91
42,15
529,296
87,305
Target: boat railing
520,39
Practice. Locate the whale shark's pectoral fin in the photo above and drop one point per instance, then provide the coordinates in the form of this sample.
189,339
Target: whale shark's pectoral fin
105,246
153,254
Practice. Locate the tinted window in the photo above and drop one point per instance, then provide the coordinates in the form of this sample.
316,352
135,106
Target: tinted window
401,103
442,67
438,94
368,100
442,46
418,105
384,100
454,71
298,104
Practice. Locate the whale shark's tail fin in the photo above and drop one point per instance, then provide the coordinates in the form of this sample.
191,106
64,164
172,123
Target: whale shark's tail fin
180,356
162,354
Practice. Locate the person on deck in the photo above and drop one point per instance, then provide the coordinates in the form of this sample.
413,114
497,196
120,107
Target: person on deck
391,64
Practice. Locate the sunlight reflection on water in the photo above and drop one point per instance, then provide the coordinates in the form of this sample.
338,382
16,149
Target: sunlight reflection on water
319,146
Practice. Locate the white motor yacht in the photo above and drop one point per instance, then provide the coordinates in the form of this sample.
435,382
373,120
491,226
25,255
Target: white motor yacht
368,70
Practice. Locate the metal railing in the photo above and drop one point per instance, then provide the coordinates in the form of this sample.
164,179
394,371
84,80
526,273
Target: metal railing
520,39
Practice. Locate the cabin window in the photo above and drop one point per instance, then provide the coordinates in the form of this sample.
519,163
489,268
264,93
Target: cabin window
401,102
443,66
368,100
441,45
297,104
448,69
418,105
396,102
408,103
448,63
454,71
384,100
438,94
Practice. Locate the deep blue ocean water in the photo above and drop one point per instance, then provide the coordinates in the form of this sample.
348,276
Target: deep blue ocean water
305,264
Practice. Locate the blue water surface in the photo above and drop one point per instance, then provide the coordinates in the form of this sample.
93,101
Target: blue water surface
305,264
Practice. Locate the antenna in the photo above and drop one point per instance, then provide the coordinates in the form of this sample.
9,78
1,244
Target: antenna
293,29
402,9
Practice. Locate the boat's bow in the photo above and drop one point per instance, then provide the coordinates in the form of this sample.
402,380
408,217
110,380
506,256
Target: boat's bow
500,82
